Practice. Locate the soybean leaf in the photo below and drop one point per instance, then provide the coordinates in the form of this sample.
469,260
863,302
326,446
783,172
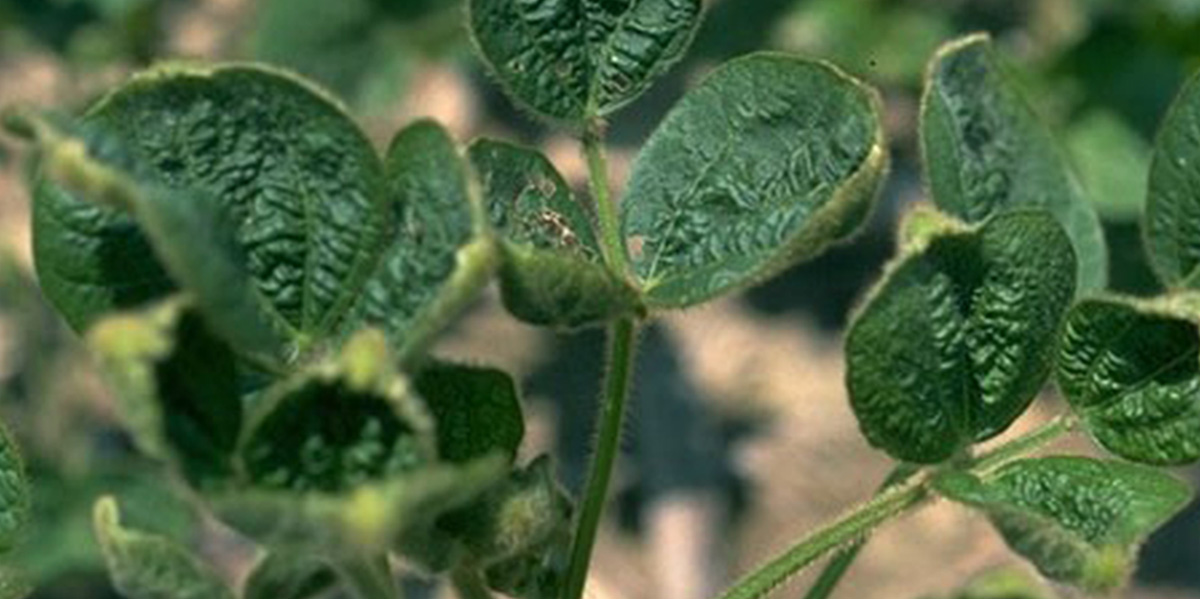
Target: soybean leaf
573,60
298,180
176,386
768,161
14,492
344,456
146,566
185,229
1173,198
1079,520
552,273
288,575
955,341
476,411
438,255
1131,369
986,151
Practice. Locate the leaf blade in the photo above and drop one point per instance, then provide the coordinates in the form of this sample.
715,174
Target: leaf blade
1171,208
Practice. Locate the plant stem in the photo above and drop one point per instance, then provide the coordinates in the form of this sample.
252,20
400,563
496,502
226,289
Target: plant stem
849,527
1024,444
469,584
606,207
369,577
837,567
622,345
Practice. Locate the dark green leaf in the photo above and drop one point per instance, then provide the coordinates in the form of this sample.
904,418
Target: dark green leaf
438,256
1079,520
176,386
145,566
1173,199
298,180
476,411
288,575
986,151
765,163
553,273
1131,369
572,60
959,336
14,492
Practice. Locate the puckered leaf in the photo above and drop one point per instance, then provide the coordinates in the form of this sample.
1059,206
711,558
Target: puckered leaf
986,151
14,492
176,386
186,229
570,60
1173,201
553,273
299,182
288,575
956,340
767,162
1131,369
146,566
1079,520
476,411
438,256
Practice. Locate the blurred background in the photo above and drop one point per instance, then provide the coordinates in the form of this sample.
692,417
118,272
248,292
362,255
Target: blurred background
741,438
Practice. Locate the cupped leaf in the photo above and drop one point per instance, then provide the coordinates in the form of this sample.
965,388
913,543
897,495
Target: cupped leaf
1172,223
14,492
959,336
176,387
438,255
288,575
1131,369
186,229
298,180
572,60
986,151
553,273
1079,520
768,161
147,566
476,410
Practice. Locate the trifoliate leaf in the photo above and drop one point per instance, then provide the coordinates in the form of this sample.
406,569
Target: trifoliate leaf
767,162
1079,520
476,411
438,255
1131,369
1173,199
572,60
955,341
986,152
146,566
176,387
553,273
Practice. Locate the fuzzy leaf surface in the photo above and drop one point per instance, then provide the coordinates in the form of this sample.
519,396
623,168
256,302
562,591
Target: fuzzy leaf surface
1172,223
1131,369
147,566
553,273
436,257
765,163
958,337
986,151
1079,520
296,177
571,60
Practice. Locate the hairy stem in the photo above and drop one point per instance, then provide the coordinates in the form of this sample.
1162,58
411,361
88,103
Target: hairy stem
606,206
470,584
837,567
369,577
622,346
